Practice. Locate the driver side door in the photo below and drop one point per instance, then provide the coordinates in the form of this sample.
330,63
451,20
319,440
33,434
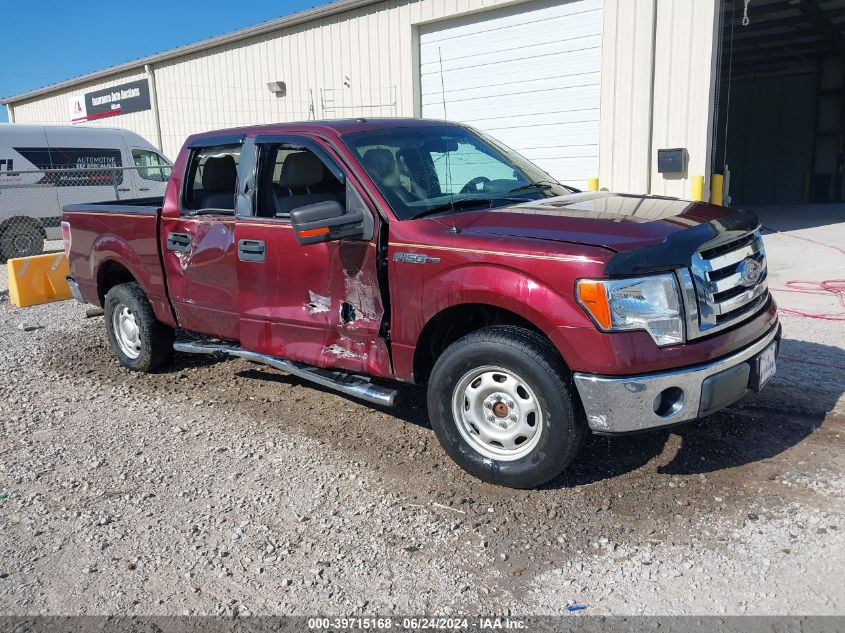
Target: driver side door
319,304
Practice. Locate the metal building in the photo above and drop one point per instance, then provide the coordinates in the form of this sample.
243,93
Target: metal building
585,88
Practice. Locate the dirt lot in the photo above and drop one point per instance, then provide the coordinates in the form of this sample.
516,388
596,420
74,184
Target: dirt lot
219,487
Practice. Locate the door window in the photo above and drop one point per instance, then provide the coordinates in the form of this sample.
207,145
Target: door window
212,179
292,177
151,165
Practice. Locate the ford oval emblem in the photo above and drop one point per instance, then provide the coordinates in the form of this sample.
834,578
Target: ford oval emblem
749,272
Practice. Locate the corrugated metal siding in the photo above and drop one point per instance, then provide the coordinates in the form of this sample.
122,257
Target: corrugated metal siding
627,64
684,84
364,62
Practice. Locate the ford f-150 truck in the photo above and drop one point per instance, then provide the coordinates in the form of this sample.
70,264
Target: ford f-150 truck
364,254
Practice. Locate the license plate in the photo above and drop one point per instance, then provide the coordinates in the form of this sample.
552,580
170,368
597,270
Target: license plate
767,364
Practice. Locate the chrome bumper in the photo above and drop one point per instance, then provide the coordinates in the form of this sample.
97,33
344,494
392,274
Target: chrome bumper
74,290
621,404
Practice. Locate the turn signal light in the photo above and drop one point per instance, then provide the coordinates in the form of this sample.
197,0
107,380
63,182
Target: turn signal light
312,232
593,297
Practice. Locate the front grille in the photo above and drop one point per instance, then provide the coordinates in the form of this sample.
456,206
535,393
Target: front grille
727,282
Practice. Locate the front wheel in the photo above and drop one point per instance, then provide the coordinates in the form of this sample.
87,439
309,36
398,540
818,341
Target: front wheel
501,403
139,340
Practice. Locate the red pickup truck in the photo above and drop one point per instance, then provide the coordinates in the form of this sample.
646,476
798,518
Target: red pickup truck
364,254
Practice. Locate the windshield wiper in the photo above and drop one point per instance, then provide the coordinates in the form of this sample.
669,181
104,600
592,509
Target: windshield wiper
542,186
454,205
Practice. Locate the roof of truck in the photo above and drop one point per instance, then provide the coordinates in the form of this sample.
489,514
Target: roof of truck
333,126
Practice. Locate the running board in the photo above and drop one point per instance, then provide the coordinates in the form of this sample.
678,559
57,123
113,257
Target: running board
350,384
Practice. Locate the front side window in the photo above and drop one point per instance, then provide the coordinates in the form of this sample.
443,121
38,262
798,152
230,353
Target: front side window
151,165
290,177
431,169
212,178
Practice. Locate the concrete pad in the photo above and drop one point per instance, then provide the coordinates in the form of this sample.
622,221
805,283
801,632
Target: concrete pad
804,243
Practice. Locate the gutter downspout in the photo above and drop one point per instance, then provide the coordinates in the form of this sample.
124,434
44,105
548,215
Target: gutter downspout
154,98
10,110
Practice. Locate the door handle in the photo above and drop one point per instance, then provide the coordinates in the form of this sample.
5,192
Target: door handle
179,242
123,189
143,188
251,250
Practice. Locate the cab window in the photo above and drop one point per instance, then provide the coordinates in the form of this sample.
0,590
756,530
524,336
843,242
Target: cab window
291,177
212,178
151,166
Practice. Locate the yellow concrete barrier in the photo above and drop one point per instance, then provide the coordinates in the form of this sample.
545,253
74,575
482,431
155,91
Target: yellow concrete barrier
697,188
39,279
717,189
593,184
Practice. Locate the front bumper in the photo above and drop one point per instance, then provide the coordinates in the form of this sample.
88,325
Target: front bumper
622,404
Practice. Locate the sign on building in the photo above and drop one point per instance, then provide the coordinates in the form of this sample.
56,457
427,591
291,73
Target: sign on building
121,99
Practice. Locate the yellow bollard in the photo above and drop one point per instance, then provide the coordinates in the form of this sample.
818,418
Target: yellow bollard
39,279
593,184
717,189
697,188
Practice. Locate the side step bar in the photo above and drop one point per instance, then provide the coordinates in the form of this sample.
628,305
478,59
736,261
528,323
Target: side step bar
351,384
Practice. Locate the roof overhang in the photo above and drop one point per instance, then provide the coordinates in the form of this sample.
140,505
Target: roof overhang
221,40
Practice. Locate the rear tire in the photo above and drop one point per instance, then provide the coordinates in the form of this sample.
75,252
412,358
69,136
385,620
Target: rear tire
139,340
21,239
502,406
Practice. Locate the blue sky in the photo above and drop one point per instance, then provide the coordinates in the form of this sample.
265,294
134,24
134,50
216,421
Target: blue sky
46,42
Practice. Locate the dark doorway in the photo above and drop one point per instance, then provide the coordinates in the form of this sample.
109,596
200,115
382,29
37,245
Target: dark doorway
780,121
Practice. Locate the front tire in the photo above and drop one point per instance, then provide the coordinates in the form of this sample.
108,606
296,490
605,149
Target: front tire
501,404
139,340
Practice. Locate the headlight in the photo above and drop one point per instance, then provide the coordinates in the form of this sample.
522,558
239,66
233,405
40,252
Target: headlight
650,303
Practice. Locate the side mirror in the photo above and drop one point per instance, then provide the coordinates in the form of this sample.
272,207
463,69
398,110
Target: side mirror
329,221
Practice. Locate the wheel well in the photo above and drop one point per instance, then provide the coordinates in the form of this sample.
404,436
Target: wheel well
448,326
22,219
109,275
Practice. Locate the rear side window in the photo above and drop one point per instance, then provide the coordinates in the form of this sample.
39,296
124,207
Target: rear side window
151,166
212,178
76,166
292,177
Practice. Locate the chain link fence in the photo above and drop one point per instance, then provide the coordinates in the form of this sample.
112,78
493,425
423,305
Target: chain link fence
31,201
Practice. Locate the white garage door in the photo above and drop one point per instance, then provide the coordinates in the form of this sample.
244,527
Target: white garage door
529,75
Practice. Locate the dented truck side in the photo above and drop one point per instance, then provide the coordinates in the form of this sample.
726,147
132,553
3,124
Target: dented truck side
366,254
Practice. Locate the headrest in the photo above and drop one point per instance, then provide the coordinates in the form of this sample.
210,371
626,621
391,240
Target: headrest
302,169
219,174
380,162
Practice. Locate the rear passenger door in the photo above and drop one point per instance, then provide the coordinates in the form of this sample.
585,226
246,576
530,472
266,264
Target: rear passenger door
319,304
198,240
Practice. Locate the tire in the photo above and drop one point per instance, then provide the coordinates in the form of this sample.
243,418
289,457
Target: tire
139,340
486,388
21,239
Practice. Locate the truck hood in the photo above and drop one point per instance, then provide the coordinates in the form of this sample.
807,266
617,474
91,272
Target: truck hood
619,222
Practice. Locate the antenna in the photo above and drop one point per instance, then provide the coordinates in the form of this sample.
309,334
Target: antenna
448,167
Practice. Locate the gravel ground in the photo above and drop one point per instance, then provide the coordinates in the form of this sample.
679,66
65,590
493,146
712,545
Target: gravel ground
219,487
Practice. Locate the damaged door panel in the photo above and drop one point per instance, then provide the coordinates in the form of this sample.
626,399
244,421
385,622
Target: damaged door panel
319,303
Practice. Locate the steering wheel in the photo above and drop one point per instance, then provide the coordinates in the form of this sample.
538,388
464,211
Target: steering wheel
472,185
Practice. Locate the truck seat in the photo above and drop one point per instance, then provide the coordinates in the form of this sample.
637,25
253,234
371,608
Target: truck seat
219,177
301,176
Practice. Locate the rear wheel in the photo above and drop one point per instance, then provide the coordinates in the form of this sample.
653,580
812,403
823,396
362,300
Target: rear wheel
501,403
139,340
21,239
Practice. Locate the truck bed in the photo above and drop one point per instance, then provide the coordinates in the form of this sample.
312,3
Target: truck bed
118,238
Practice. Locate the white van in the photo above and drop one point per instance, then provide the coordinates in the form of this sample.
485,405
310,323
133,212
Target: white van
72,159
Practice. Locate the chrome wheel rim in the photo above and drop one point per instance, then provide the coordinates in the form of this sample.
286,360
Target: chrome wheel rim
497,413
126,331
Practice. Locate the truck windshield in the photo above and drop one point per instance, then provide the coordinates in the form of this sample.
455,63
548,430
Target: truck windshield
446,168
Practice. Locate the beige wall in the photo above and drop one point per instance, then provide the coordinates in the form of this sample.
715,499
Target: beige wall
657,57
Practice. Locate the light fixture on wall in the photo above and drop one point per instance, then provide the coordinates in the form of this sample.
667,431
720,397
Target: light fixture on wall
278,88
